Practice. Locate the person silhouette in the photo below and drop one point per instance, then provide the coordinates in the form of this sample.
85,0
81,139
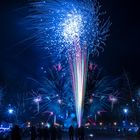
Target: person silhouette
46,135
53,132
59,133
33,133
76,133
15,133
79,133
71,132
82,133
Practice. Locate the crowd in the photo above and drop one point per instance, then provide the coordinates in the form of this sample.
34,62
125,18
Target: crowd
45,133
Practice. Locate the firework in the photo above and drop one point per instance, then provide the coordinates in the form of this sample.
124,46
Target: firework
56,24
63,27
79,69
57,93
100,91
113,98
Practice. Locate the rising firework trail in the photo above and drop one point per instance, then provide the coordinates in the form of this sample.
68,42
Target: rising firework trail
63,28
79,69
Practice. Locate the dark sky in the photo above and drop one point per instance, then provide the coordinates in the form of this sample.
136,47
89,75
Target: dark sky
122,50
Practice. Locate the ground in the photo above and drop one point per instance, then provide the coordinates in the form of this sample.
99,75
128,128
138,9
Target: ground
105,138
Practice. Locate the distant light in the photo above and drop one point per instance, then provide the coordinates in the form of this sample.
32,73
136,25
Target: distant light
37,99
42,123
87,124
131,123
99,113
123,121
133,100
4,128
45,71
61,116
115,123
91,100
48,125
119,130
125,110
51,113
113,99
100,123
91,135
59,101
28,124
11,111
56,124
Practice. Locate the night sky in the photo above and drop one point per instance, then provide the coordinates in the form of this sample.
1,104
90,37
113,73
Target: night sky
20,60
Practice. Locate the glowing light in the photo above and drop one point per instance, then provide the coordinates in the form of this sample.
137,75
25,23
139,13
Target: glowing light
63,28
28,124
48,125
51,113
79,70
90,100
59,101
38,99
115,123
133,100
57,23
131,123
100,123
87,124
10,111
91,135
72,27
4,128
113,99
125,110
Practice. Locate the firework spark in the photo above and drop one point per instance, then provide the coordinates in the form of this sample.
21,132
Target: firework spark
62,28
79,69
56,24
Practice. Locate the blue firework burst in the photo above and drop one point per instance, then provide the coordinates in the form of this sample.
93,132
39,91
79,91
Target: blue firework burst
57,24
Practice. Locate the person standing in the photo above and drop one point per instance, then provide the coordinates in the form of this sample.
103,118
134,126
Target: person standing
46,135
33,133
59,133
82,133
53,133
15,133
71,132
79,133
